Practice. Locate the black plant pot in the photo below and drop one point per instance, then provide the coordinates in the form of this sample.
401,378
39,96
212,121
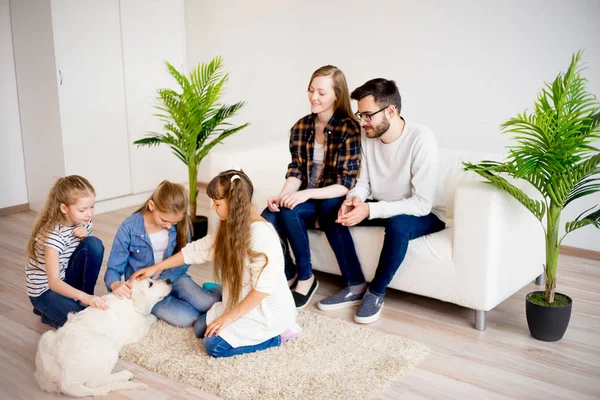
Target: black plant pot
199,227
547,323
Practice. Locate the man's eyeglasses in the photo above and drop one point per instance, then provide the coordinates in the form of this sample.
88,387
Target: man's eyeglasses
367,117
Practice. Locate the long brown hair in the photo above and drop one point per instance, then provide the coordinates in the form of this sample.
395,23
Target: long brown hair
232,241
66,190
340,87
169,197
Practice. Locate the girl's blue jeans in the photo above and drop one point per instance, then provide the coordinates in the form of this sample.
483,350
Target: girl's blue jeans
186,303
82,273
218,347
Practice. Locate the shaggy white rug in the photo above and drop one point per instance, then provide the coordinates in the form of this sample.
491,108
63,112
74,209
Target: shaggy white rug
331,359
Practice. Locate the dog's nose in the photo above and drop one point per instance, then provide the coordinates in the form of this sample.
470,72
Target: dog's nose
168,281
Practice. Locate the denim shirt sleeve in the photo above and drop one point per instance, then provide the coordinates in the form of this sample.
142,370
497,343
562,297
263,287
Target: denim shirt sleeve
119,256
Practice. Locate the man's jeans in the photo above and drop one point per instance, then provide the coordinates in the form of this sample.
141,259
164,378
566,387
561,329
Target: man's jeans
82,273
399,229
292,225
186,302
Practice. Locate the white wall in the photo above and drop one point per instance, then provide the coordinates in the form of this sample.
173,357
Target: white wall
462,67
13,186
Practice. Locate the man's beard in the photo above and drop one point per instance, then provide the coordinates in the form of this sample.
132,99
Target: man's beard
380,129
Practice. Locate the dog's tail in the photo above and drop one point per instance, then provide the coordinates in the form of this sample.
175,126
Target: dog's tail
47,370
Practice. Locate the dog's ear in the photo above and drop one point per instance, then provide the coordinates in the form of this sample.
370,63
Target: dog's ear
140,301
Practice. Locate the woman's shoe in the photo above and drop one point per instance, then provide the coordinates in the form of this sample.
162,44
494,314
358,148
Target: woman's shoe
303,300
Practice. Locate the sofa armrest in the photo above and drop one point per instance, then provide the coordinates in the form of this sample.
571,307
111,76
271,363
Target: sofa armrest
498,244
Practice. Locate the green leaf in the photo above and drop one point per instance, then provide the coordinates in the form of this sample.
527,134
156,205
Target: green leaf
192,113
592,218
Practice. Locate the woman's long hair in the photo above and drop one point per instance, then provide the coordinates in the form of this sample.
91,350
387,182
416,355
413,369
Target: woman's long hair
232,242
340,87
66,190
169,197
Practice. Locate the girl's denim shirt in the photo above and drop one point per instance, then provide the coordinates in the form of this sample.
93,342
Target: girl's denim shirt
132,250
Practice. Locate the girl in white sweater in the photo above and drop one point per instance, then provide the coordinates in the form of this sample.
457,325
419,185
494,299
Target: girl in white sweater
257,310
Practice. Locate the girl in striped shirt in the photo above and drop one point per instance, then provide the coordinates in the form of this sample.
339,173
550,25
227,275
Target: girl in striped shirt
63,259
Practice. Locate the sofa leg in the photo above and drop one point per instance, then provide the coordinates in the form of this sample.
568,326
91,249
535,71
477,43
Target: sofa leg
480,320
540,280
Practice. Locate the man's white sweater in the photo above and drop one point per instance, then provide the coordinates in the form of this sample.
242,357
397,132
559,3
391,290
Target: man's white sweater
401,176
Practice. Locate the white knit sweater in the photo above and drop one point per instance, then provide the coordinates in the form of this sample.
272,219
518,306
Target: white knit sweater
402,176
277,312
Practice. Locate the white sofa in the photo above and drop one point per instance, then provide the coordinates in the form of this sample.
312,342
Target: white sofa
491,247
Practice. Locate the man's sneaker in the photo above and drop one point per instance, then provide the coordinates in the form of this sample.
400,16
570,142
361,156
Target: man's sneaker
302,300
369,309
343,299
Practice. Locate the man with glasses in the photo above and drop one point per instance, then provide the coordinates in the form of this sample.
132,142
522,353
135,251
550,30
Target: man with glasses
396,189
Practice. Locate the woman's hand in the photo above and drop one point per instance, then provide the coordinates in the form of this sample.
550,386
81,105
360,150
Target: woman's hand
293,199
80,232
95,301
215,327
144,273
122,290
273,203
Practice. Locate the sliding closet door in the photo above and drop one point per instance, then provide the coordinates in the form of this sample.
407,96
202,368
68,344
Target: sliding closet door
152,33
89,63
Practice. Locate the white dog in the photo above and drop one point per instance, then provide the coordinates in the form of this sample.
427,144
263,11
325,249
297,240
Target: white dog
78,358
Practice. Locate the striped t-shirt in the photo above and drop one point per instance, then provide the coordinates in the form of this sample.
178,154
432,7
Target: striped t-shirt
61,239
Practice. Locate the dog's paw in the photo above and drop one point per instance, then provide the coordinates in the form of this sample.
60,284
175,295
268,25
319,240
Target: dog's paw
126,375
152,319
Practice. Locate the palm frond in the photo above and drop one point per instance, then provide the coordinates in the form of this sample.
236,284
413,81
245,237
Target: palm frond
206,148
192,113
536,207
592,218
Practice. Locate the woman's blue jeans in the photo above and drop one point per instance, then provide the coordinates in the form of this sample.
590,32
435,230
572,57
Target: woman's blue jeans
82,273
292,227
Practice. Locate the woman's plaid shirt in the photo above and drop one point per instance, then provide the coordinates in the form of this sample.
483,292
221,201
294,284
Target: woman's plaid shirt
341,151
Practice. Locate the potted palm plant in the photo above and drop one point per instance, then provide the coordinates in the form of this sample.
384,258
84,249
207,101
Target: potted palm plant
554,153
194,122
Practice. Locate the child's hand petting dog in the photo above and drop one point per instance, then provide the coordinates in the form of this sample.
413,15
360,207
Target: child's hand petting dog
122,290
144,273
96,302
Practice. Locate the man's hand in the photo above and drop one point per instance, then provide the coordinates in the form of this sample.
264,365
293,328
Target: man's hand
349,205
80,232
273,203
121,289
358,213
293,199
144,273
215,327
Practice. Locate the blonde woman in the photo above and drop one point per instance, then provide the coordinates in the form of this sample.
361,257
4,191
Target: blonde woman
325,159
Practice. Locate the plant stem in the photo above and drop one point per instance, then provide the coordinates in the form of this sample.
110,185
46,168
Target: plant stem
552,247
193,176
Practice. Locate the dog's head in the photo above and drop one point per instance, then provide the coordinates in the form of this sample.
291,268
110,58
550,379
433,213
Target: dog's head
147,292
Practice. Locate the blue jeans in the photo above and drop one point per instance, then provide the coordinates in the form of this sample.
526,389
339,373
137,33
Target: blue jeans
82,273
217,347
186,302
292,225
399,229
